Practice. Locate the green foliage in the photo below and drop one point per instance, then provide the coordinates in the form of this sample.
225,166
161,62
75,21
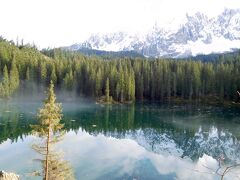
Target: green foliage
14,78
49,115
59,168
68,81
129,78
4,86
10,83
107,91
49,129
53,76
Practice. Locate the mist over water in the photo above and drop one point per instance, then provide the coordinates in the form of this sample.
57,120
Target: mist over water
142,141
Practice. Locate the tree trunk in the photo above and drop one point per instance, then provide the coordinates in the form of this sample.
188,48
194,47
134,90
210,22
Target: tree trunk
46,163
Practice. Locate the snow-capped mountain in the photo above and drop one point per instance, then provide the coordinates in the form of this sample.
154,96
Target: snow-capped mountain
198,34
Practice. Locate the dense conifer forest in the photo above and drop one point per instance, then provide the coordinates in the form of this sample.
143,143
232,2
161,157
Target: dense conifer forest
24,68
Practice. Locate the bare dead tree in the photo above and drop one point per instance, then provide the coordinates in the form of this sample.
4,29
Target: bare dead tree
220,171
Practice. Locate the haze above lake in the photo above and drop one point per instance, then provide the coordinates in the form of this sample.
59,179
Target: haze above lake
141,141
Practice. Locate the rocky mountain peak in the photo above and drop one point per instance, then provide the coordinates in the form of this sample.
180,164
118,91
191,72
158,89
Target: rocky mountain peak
198,35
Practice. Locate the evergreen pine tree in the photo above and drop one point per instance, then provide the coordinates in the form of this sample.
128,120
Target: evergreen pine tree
107,91
14,78
49,128
53,76
68,81
5,83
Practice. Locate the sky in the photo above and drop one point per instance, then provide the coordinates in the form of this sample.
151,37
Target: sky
54,23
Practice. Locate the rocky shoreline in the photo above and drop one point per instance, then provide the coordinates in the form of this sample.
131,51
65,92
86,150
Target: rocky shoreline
8,176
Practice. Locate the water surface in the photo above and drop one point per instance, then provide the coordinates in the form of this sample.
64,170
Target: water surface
142,141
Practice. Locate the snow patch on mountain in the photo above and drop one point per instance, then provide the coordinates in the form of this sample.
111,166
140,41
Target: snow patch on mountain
218,45
198,34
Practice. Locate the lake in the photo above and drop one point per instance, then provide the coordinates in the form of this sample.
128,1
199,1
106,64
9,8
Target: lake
141,141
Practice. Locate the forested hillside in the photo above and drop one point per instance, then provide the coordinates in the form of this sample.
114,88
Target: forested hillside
23,67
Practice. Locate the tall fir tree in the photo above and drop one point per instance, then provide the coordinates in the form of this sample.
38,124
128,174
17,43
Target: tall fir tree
107,91
5,90
14,78
50,129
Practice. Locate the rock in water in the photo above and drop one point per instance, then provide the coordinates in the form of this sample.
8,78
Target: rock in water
8,176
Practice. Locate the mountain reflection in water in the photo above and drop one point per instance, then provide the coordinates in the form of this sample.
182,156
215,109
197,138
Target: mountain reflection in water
145,141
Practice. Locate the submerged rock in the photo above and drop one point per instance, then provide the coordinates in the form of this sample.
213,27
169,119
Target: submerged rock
8,176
